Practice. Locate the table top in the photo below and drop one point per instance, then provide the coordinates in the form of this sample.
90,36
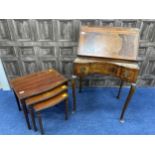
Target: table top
36,83
109,42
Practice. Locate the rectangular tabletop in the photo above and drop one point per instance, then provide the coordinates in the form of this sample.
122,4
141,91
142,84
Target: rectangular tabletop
36,83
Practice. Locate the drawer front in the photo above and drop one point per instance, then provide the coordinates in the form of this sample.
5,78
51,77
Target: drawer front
81,69
129,74
107,69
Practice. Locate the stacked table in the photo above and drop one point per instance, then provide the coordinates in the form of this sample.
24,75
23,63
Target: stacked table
39,86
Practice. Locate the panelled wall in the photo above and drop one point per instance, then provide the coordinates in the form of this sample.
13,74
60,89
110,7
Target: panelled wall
30,45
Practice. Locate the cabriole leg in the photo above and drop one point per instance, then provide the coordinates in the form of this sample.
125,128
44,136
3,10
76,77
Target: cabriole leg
131,92
80,84
120,89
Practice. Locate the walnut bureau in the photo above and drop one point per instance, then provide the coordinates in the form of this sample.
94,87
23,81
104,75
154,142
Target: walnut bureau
109,51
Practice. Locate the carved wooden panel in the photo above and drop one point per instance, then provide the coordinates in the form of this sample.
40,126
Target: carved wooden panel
26,51
29,45
48,58
148,31
7,52
65,30
45,29
47,51
67,52
4,30
130,23
28,58
12,68
22,29
66,67
29,66
89,22
109,23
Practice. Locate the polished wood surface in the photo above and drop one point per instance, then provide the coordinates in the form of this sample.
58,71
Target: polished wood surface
37,83
47,104
127,71
109,42
50,102
46,95
109,51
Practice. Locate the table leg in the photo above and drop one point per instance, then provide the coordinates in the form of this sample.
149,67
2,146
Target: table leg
131,92
80,84
66,109
74,92
26,114
120,89
33,118
40,123
17,101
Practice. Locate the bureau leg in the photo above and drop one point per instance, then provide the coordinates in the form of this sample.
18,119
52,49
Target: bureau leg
120,89
80,84
74,92
131,92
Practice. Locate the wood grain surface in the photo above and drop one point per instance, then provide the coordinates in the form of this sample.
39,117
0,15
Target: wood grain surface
109,42
50,102
37,83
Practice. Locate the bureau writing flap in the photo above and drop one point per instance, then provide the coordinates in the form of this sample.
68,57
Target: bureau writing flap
109,42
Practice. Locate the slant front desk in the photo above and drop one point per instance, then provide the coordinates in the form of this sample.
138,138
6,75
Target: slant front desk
109,51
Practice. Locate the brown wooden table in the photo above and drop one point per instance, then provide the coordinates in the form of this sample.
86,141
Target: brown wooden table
35,84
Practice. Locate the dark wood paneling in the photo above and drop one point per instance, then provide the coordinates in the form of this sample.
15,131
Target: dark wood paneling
29,45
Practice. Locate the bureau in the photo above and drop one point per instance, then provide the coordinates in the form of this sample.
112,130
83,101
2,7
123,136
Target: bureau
109,51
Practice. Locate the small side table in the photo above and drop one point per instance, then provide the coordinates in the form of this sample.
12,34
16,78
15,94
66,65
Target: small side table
37,83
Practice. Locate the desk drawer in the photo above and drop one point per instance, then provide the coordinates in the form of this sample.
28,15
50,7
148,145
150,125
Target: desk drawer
81,69
107,69
129,74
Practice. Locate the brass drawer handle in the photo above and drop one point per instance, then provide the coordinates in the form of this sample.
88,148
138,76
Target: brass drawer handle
83,70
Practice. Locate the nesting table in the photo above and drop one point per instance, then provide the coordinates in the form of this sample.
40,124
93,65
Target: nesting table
37,83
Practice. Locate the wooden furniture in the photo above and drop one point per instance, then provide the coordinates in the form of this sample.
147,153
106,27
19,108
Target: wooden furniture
35,84
109,42
108,51
46,100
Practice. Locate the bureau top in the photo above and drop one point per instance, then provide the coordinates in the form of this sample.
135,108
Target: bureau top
109,42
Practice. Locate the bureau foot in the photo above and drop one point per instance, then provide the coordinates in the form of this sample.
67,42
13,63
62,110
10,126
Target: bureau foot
131,92
120,89
122,121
